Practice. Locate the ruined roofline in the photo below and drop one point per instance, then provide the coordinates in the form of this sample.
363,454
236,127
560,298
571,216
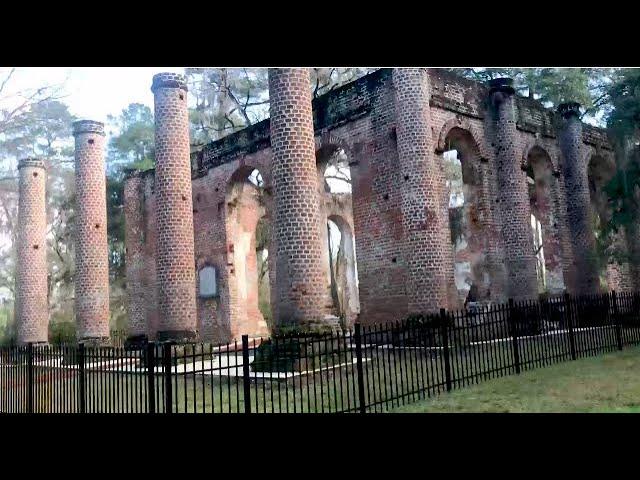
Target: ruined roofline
353,100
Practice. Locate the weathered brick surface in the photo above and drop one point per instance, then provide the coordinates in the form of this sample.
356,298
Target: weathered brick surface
32,309
92,254
513,197
423,202
364,118
578,202
300,296
134,257
174,210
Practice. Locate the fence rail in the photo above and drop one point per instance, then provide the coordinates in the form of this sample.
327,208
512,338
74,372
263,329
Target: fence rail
370,369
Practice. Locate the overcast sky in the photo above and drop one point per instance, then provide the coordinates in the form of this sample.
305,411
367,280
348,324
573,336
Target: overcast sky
95,92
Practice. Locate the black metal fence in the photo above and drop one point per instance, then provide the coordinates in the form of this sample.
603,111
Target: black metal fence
370,369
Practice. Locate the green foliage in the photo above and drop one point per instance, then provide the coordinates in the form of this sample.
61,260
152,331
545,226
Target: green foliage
42,130
133,145
298,354
552,86
225,100
61,333
7,326
456,224
624,99
623,122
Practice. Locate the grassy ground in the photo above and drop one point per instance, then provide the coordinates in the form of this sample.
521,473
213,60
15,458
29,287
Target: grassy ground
604,383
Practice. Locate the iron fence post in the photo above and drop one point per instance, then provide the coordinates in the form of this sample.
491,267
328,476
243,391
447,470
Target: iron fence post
358,338
616,319
81,379
30,377
513,325
444,331
572,340
246,379
151,367
166,368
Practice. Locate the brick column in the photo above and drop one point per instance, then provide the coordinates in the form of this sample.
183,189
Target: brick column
576,177
175,257
32,308
427,251
134,255
92,252
513,194
300,295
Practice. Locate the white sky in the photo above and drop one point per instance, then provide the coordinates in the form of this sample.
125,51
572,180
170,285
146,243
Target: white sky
95,92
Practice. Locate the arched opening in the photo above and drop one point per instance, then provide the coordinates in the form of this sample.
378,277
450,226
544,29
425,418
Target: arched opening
248,240
262,256
543,193
463,176
337,173
335,188
343,269
600,172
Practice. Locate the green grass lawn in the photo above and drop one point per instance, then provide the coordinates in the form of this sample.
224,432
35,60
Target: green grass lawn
603,383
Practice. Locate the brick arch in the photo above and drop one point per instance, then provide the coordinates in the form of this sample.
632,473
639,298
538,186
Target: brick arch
592,153
351,303
552,155
463,124
206,261
328,140
604,171
244,169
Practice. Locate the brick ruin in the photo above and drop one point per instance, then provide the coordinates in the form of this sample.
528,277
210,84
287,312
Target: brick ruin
91,247
451,192
459,191
32,309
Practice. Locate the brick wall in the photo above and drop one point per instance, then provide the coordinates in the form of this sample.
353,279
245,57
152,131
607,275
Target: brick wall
360,117
134,256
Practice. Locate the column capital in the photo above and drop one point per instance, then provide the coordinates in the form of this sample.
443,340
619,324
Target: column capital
569,109
31,162
502,84
88,126
168,80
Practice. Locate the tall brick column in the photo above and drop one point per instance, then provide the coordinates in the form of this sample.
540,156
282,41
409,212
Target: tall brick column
427,246
301,294
32,308
134,256
513,194
576,177
175,258
92,252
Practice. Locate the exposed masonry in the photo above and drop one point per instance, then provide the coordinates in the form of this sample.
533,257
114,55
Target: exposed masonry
92,253
175,265
32,309
579,214
512,198
513,166
299,296
134,256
